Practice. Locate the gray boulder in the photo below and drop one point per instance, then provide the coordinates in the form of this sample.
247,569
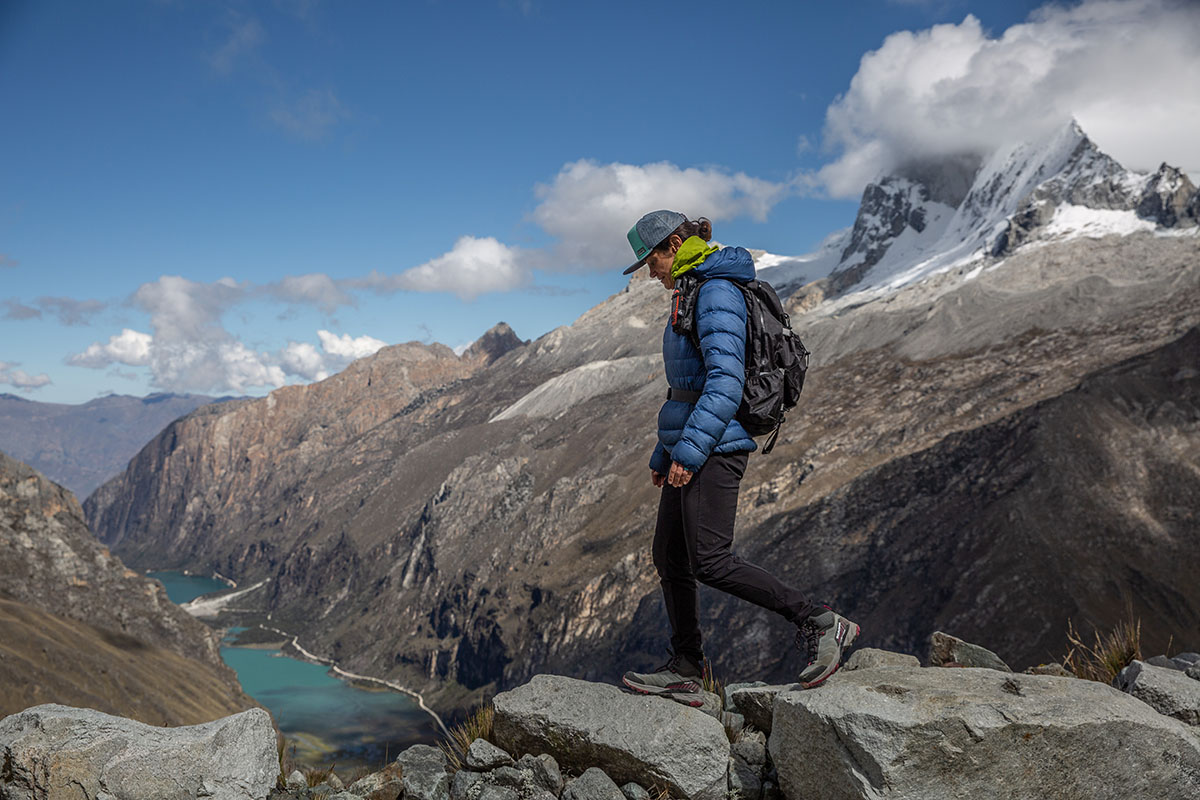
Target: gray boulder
631,737
544,770
634,791
1055,670
953,733
296,780
382,785
593,784
1167,691
755,703
729,689
59,751
1193,672
423,770
950,651
482,756
1190,658
869,657
462,787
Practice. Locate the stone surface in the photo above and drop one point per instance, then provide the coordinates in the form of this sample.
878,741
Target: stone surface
953,733
1164,662
1167,691
296,780
424,772
382,785
1193,673
868,657
482,756
545,771
751,751
634,791
1054,670
744,780
631,737
1189,657
335,782
730,688
462,786
593,784
491,791
756,702
58,751
950,651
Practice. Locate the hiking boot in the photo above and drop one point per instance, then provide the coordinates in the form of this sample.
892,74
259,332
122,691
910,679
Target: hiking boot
824,637
679,676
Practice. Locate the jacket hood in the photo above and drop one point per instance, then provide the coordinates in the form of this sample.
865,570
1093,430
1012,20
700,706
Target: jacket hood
732,263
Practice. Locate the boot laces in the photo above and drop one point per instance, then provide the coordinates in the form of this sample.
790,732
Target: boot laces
808,638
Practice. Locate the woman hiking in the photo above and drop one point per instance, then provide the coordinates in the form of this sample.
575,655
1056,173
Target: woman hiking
700,459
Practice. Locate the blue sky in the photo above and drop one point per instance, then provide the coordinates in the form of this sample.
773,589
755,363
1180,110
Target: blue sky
223,197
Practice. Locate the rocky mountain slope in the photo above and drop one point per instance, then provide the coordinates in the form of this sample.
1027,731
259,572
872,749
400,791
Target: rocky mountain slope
82,446
78,627
996,447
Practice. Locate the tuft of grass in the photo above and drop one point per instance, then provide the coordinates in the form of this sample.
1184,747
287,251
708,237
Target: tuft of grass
1108,654
476,726
287,761
712,683
317,776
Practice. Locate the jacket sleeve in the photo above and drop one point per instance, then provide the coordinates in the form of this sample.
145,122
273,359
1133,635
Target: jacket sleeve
721,325
660,459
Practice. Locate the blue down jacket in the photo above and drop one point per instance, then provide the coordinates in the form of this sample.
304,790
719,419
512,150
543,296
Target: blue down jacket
689,432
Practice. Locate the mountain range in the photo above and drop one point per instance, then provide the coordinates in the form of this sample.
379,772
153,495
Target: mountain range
82,446
1000,433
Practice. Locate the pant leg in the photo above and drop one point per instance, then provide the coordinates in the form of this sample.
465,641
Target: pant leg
674,564
709,510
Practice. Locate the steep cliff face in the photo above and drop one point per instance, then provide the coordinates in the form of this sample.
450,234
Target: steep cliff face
494,525
81,627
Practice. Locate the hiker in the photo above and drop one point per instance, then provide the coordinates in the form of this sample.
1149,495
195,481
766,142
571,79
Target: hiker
700,459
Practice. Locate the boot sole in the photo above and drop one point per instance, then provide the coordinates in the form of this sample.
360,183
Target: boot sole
673,691
845,646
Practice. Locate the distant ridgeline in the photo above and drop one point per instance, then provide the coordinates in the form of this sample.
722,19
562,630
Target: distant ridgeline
82,446
999,426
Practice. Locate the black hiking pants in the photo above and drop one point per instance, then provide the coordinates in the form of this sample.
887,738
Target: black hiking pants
692,543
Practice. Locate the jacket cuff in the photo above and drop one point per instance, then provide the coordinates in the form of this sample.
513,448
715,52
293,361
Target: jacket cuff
660,460
688,455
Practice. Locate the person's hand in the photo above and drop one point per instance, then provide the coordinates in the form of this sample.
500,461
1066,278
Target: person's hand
679,475
658,479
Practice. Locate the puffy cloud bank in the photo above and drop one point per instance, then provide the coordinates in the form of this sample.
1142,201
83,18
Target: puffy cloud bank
589,207
190,349
19,378
1127,70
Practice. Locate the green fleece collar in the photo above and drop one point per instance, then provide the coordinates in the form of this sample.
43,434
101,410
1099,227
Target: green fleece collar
691,255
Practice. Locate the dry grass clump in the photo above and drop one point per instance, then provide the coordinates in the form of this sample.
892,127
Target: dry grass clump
1109,653
477,726
316,776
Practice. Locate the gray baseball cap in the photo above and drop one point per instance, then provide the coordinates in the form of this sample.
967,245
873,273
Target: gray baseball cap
649,232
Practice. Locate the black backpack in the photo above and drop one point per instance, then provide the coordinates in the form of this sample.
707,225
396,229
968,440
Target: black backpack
776,360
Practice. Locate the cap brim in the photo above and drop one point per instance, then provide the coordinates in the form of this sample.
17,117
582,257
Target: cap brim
635,267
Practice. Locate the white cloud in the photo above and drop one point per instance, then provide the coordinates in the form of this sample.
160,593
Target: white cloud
304,360
1128,70
128,347
590,207
474,266
315,288
348,347
21,379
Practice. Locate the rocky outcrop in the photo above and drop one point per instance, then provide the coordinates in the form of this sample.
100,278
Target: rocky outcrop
499,340
53,751
82,446
1166,197
80,627
927,734
631,738
950,651
1168,691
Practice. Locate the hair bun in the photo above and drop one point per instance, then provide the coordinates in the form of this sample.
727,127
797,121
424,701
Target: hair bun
705,228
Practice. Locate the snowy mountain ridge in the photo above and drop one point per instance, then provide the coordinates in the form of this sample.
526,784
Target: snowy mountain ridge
1059,187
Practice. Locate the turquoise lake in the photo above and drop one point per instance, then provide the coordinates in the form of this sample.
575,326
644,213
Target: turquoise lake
326,719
